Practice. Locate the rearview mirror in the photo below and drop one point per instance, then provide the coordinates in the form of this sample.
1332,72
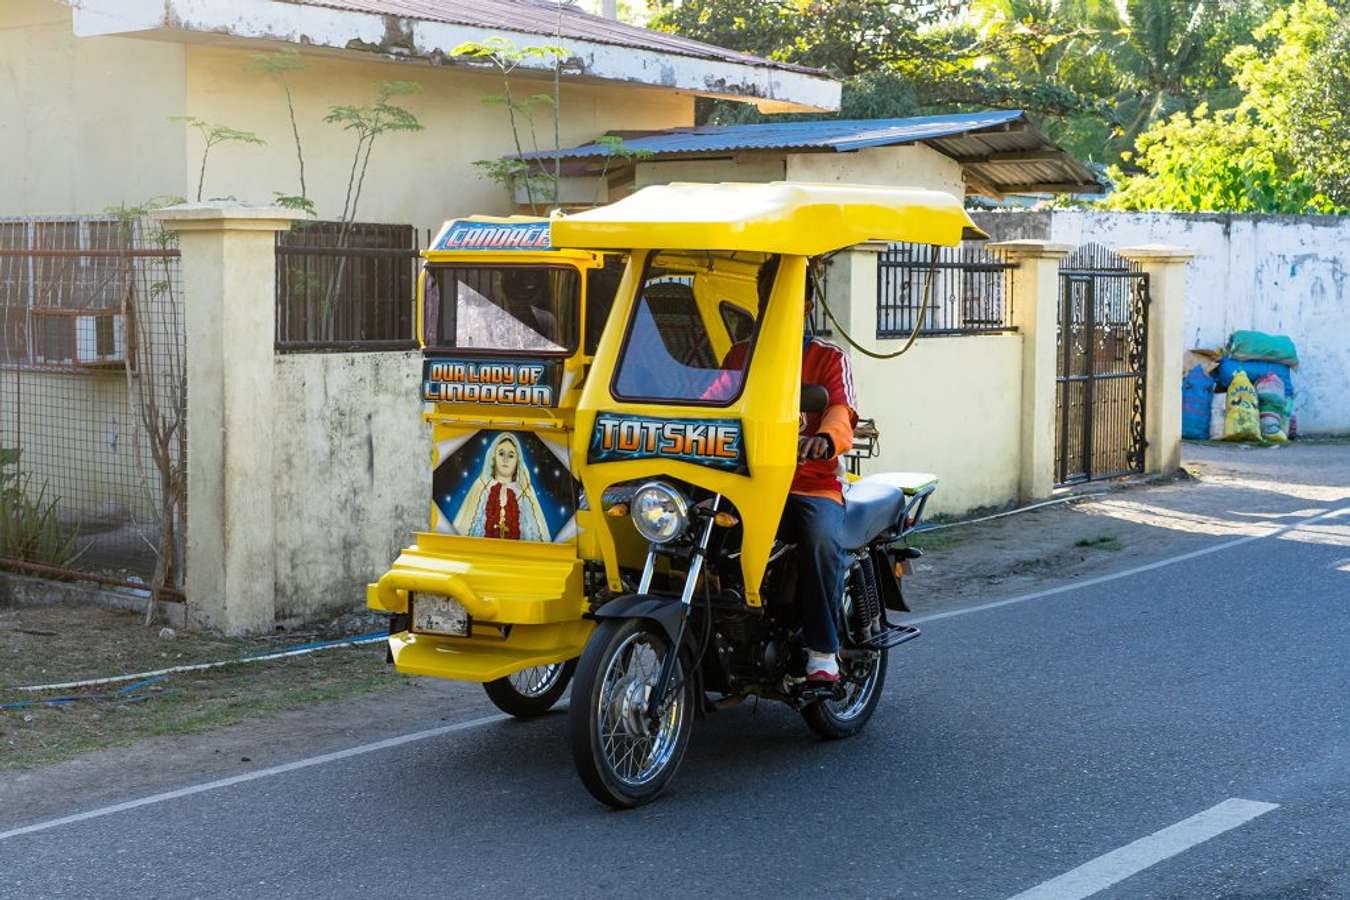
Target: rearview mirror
814,398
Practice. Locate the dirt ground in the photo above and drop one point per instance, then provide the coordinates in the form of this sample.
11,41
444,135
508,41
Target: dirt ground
43,645
1228,491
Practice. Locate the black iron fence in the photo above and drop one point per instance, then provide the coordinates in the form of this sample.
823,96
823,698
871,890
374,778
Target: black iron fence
93,401
347,287
969,290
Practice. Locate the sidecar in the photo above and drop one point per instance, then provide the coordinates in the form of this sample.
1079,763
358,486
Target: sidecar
494,589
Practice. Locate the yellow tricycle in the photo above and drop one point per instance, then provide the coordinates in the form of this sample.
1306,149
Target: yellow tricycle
679,444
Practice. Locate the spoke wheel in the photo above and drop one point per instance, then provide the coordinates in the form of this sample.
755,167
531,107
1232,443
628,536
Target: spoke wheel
533,691
624,758
864,678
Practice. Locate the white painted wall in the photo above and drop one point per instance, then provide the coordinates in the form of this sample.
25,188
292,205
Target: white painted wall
1280,274
351,474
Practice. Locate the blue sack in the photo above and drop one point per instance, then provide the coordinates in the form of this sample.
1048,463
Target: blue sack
1255,369
1197,391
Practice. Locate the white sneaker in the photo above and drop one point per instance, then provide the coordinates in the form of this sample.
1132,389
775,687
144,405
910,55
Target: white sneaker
822,667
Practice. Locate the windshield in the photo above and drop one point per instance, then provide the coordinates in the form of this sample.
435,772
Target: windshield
681,345
531,309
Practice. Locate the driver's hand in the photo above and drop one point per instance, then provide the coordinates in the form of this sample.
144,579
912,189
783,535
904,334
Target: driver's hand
815,447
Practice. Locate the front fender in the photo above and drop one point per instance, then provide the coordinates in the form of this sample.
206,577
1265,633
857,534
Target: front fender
663,610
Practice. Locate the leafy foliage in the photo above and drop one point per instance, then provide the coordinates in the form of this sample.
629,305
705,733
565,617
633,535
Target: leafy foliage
213,135
1319,122
29,527
1277,150
513,172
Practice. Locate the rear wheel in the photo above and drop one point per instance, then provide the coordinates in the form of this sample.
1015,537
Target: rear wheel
624,758
862,682
531,692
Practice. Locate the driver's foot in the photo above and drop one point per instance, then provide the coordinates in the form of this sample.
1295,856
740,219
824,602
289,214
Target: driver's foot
822,668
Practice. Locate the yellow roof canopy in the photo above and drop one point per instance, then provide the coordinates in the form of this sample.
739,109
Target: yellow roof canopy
779,217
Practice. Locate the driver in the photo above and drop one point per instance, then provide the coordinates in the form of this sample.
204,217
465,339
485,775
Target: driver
814,514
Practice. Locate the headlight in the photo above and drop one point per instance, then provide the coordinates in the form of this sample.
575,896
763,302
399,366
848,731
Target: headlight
659,512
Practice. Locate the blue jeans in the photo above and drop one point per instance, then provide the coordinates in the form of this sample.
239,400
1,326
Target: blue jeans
813,524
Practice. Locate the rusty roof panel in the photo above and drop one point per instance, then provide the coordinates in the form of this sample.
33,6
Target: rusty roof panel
541,17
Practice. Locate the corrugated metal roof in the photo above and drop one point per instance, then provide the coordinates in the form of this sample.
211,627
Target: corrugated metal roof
540,17
1001,149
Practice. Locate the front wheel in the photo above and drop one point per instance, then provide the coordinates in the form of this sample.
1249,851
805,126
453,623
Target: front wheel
624,758
864,677
531,692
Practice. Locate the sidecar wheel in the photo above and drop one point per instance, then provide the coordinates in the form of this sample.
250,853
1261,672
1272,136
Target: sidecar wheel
531,692
623,759
835,719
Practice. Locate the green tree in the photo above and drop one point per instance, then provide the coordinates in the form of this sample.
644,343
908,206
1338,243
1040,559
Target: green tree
1319,121
1261,155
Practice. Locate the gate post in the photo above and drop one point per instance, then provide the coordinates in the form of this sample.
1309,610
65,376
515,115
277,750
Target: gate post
1035,297
229,280
851,290
1166,270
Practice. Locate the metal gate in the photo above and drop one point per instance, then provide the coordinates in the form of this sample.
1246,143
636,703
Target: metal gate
1102,349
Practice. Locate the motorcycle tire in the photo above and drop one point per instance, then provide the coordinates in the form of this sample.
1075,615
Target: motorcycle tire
634,765
525,695
833,719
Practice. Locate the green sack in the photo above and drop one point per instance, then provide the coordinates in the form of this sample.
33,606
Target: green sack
1259,345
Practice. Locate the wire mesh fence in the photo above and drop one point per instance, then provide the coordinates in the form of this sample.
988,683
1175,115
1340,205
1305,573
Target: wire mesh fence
93,400
968,290
346,286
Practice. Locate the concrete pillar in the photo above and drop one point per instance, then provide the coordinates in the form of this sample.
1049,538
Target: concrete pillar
851,289
1035,299
1166,269
229,283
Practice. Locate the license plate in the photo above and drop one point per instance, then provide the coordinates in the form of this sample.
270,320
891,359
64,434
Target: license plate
440,615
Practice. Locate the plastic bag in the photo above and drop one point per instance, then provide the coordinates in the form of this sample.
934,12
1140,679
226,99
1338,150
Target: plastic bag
1255,369
1196,390
1259,345
1218,412
1242,421
1274,409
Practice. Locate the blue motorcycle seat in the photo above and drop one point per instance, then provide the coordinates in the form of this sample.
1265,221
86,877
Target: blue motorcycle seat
875,503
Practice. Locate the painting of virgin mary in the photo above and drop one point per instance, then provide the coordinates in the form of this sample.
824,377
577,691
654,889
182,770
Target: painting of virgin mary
502,503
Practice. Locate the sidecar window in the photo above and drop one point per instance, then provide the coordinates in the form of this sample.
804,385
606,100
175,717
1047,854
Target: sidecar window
528,309
669,350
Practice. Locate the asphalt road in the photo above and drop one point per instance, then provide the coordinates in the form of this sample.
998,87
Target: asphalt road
1014,745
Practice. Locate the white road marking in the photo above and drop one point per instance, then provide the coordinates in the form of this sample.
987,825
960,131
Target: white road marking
254,776
1104,871
1126,573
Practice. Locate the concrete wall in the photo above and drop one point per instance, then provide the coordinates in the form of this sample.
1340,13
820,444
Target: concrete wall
81,439
351,474
766,167
910,166
1282,274
86,122
950,406
420,178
